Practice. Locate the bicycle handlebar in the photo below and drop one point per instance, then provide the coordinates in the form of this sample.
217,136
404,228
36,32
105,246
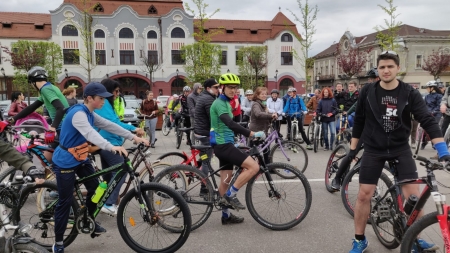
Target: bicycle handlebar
29,126
431,164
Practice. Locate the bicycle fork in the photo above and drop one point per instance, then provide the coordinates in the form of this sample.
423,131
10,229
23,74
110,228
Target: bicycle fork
443,219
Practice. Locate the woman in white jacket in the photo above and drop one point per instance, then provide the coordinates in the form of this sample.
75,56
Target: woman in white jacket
275,105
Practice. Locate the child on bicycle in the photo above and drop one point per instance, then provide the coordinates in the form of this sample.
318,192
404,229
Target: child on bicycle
70,157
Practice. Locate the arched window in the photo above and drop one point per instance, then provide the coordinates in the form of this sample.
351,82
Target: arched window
69,30
177,33
126,33
284,85
152,35
286,37
152,10
177,85
98,8
99,33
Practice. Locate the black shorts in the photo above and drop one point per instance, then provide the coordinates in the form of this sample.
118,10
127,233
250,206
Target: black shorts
229,155
372,165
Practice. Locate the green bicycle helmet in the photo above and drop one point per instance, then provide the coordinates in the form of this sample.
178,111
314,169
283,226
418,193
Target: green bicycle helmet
229,78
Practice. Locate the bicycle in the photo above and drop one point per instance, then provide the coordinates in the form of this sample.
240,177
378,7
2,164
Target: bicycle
142,125
295,127
389,209
318,131
344,134
150,204
265,185
19,241
166,126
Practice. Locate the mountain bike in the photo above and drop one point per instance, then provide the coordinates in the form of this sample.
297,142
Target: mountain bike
318,138
273,201
295,133
147,209
344,134
166,126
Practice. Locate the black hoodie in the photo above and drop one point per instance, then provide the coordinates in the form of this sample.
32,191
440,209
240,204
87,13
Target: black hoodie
368,124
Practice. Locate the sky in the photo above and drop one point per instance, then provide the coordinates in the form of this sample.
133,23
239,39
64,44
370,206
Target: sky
333,19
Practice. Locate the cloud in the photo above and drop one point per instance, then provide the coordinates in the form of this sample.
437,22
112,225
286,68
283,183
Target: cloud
333,19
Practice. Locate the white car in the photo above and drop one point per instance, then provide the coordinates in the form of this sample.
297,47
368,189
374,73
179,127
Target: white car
162,101
130,116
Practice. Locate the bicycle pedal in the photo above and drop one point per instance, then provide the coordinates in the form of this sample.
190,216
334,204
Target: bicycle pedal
383,211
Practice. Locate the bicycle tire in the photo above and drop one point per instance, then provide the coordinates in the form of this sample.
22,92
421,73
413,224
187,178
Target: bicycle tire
310,131
190,191
45,218
339,152
8,174
417,229
419,136
179,139
29,247
124,223
296,148
349,201
251,193
166,126
156,167
316,139
173,158
375,220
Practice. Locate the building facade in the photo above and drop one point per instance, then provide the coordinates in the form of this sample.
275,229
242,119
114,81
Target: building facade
124,33
414,45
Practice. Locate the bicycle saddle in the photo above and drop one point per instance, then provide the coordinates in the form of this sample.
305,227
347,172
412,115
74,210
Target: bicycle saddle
186,129
201,147
243,123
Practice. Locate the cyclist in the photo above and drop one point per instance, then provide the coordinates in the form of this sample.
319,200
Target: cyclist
176,108
275,105
70,158
54,101
339,94
184,112
119,105
295,104
202,121
314,101
192,100
247,105
236,107
327,106
383,122
350,99
433,101
222,138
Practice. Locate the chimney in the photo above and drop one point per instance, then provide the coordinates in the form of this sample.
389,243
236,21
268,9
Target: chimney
422,30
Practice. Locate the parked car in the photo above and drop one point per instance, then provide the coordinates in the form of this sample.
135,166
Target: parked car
162,101
130,115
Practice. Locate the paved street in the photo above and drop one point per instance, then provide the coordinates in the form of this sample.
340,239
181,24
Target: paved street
327,228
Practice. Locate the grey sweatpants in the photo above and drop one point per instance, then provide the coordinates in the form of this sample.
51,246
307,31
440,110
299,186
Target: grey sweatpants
151,124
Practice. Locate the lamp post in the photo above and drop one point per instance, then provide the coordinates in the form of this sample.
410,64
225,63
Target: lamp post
276,79
67,73
228,70
4,78
177,79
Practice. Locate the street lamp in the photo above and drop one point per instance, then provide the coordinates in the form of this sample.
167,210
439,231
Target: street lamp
66,72
4,77
177,79
228,70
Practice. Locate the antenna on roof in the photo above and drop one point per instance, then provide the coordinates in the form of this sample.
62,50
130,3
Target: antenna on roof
279,9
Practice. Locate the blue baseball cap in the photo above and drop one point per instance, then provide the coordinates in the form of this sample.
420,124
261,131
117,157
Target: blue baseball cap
96,89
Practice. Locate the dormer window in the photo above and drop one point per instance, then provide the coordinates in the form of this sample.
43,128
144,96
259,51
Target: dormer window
254,31
39,26
6,25
230,31
98,8
205,30
152,10
286,37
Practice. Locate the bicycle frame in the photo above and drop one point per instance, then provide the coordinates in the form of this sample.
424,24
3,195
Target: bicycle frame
273,136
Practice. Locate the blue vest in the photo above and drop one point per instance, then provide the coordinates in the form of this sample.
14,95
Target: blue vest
70,137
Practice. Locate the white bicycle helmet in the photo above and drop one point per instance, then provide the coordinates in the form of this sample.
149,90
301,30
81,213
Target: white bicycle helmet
186,88
248,92
432,84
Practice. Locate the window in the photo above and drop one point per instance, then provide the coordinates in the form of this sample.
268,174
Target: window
177,33
254,31
326,70
418,61
332,70
98,8
239,57
6,25
152,35
99,33
286,37
71,56
69,30
286,58
223,61
205,30
176,57
152,10
39,27
126,33
152,57
229,31
126,57
100,56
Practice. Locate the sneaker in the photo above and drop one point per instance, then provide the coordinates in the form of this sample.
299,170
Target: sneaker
53,194
203,191
309,147
424,245
110,210
188,143
359,246
99,229
234,202
233,219
435,157
57,248
336,185
325,149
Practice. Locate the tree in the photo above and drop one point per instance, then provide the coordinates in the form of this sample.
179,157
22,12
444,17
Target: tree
308,17
53,60
436,63
151,64
387,34
252,61
202,59
89,61
352,61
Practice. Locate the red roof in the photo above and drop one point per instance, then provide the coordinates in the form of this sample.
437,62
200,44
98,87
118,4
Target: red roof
23,25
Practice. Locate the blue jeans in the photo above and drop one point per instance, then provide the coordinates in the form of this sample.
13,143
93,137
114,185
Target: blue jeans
332,126
109,159
65,180
351,119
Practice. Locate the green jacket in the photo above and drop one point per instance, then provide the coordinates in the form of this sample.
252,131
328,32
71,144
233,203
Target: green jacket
119,107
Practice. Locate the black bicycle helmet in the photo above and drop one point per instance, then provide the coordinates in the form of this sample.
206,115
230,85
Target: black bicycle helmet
373,73
275,91
36,74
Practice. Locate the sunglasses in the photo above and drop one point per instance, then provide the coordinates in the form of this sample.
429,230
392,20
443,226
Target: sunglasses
389,52
215,86
116,91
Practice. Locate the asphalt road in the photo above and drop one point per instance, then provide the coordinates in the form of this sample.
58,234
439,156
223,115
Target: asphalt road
327,228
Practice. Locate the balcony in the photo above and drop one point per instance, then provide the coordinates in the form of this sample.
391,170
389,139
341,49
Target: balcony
326,77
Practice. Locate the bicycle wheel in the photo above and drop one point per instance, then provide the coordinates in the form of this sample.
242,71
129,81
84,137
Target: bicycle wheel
146,177
350,187
200,205
427,228
283,209
316,138
30,247
166,126
385,225
179,138
333,164
310,131
419,136
8,176
38,209
144,234
296,153
295,135
173,158
142,126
